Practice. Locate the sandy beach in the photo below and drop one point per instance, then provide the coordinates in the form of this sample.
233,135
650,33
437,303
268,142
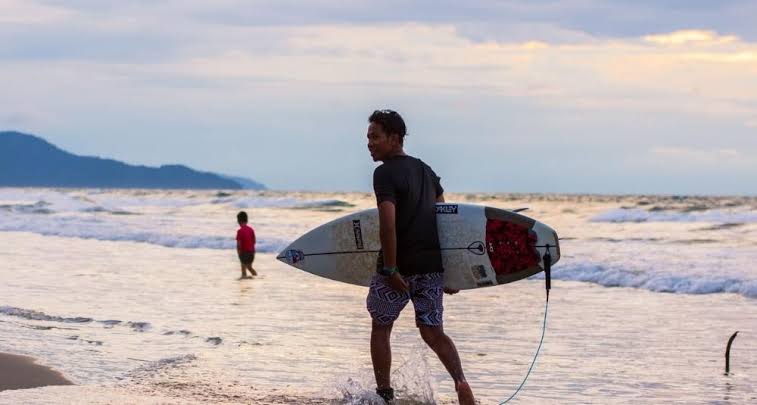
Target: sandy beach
21,372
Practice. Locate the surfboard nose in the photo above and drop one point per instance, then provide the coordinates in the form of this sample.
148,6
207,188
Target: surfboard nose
291,256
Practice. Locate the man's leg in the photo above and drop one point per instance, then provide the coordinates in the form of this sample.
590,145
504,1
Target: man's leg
244,272
384,304
381,354
428,297
445,349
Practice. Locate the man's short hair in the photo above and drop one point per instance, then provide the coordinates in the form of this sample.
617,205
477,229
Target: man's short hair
391,122
242,217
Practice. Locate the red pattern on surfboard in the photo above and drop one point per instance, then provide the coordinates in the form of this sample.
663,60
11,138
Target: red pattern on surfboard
511,247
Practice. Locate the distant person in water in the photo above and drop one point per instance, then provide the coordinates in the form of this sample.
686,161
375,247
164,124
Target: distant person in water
245,245
409,264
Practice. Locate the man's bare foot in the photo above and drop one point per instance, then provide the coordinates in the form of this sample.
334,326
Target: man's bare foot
465,394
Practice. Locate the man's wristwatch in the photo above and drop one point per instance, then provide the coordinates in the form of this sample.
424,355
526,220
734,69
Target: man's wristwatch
387,271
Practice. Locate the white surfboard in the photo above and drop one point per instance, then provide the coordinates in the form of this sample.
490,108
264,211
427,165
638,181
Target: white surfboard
481,246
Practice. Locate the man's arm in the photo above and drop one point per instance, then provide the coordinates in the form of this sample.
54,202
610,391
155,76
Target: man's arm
388,233
440,198
388,236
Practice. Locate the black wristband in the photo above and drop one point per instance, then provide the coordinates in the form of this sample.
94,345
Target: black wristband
387,271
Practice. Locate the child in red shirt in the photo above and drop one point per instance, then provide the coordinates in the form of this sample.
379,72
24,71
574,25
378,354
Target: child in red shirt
245,245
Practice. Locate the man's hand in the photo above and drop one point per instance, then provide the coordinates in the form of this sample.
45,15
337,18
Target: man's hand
398,283
450,291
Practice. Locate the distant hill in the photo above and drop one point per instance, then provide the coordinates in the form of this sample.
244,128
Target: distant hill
246,183
30,161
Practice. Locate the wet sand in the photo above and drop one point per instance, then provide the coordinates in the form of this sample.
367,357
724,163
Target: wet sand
21,372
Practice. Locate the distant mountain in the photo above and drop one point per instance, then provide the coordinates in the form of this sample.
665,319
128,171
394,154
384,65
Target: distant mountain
247,184
29,161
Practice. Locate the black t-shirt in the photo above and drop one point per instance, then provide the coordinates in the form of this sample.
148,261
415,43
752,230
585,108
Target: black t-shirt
413,187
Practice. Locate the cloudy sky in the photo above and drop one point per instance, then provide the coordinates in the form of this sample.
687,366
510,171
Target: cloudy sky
526,96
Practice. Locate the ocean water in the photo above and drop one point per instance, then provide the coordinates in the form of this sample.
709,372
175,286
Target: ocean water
134,295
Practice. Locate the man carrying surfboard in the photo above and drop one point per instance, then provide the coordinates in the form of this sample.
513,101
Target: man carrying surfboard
410,264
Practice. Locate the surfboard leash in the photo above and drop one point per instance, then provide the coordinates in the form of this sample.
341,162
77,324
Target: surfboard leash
547,260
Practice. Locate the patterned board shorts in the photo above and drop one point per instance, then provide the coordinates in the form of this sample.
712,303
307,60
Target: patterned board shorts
426,291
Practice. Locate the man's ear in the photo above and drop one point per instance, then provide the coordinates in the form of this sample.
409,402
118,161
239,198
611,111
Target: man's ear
396,138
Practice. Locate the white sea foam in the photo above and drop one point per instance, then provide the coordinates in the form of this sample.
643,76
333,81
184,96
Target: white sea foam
638,215
74,200
40,316
281,202
110,230
612,276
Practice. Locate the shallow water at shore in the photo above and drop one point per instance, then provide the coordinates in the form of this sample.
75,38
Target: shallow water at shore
640,312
